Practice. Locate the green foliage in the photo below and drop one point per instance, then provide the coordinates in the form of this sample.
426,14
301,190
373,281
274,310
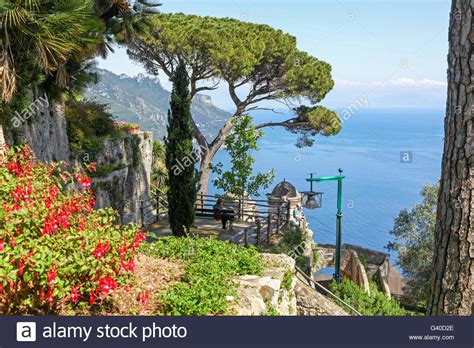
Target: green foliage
271,311
414,242
136,152
87,124
287,280
49,44
301,262
106,170
234,51
179,146
239,180
54,247
159,175
377,303
291,244
311,121
40,38
210,266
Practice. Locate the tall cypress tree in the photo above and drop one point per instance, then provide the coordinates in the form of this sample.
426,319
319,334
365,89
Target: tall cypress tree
183,177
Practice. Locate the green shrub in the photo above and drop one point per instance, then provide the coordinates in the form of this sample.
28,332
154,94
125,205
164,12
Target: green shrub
271,310
287,280
136,153
300,262
106,170
159,174
209,268
87,123
55,249
377,303
292,241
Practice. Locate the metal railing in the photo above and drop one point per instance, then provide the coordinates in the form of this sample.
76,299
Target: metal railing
314,283
268,216
153,208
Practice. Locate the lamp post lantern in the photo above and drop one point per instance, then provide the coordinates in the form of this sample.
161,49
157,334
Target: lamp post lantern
339,178
310,199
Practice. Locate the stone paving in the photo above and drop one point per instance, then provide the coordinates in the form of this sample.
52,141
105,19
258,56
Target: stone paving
207,228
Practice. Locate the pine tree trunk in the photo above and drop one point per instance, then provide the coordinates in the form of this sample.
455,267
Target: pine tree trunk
453,277
205,173
208,156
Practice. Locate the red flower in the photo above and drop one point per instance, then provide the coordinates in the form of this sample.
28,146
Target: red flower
2,246
123,250
143,298
85,181
52,275
101,250
128,266
107,284
21,268
53,191
74,295
42,295
92,298
50,295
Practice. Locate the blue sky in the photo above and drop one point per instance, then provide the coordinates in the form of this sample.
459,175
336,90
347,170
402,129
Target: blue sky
392,52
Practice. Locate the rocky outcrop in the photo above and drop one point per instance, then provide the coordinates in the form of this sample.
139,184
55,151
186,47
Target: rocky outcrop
280,291
124,164
124,168
353,269
42,126
312,303
271,293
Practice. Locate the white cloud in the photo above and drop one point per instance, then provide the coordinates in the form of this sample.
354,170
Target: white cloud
400,82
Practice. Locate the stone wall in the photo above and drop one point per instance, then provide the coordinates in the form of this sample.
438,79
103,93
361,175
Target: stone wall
353,269
128,160
272,292
127,181
305,253
280,290
43,129
383,277
312,303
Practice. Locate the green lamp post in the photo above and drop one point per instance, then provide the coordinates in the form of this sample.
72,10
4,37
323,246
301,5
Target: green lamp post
339,179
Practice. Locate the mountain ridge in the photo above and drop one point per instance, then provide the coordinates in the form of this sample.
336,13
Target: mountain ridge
143,100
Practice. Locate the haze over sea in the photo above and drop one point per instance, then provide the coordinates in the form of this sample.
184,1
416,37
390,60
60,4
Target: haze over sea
377,185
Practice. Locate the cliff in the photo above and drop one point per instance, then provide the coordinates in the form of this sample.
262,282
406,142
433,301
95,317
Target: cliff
41,125
123,174
124,164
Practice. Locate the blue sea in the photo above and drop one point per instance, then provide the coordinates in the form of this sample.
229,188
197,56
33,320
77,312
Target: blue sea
378,184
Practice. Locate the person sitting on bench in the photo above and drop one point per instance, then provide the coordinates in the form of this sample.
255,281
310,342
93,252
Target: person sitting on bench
222,214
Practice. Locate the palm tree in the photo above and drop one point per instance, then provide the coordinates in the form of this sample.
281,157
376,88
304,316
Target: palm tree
40,37
51,42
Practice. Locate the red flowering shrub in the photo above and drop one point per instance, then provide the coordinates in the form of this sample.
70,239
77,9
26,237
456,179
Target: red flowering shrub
54,248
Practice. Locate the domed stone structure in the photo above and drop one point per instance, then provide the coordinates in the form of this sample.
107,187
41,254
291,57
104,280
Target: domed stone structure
285,188
282,193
